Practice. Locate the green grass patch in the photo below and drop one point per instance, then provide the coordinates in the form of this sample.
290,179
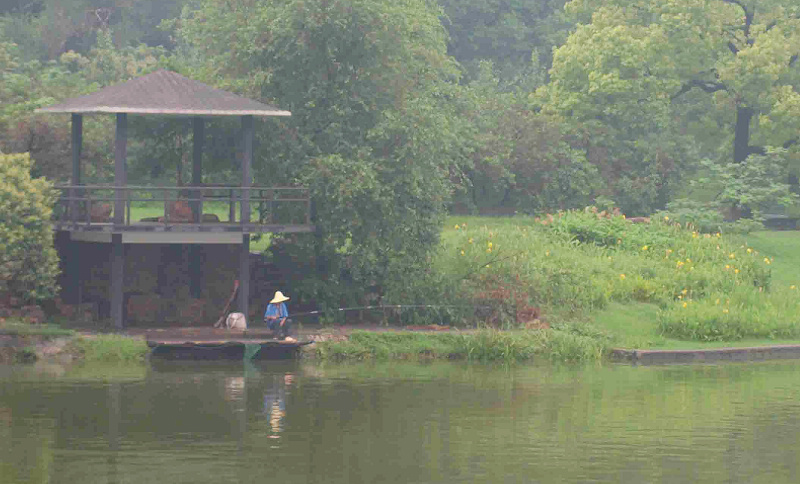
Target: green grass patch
490,346
109,348
785,248
658,284
16,328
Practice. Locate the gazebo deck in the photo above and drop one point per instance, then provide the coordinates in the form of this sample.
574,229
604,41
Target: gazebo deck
203,209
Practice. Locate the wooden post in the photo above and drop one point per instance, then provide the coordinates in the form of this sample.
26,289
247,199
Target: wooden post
244,256
117,281
195,251
120,170
77,142
197,167
117,249
247,160
244,276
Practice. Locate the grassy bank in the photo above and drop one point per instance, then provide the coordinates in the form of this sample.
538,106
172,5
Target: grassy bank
490,346
108,348
31,342
658,284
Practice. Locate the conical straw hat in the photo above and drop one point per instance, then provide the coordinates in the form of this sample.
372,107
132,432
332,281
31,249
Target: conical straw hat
279,298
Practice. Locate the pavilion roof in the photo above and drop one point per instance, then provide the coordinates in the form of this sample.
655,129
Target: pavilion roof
164,92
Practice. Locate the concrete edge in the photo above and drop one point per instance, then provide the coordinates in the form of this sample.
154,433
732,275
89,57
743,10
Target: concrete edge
665,357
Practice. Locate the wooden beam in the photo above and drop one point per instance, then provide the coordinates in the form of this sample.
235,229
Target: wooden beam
244,277
198,129
247,161
77,142
195,251
117,281
120,169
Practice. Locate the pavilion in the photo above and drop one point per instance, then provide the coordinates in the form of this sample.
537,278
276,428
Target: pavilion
166,93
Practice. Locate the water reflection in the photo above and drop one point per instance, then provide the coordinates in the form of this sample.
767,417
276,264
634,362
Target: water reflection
275,402
401,423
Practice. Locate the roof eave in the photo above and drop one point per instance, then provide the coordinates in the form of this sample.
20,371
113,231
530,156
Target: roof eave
178,112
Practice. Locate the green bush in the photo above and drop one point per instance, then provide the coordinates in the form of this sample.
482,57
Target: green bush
28,260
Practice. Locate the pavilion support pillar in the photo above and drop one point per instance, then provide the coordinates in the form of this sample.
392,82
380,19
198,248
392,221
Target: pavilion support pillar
244,256
117,249
195,250
77,144
73,253
244,276
120,169
117,282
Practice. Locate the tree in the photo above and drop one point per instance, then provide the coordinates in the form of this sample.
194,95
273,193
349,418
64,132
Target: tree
647,65
28,260
371,132
516,36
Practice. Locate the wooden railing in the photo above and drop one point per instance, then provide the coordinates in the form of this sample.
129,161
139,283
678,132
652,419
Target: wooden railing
96,207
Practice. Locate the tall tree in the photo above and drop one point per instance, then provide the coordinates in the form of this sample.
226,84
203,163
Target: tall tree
368,86
741,52
650,69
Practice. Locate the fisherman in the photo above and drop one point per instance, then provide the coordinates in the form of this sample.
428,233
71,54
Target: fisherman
277,316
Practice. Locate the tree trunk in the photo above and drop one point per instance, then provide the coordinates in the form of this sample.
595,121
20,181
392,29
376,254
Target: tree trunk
741,139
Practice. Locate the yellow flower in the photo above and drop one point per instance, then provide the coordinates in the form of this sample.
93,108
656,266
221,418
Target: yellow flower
685,304
644,247
622,276
488,266
725,310
669,251
717,301
680,296
688,260
547,253
749,250
717,247
684,291
619,241
767,261
470,240
457,227
462,252
679,263
736,271
731,255
694,235
727,266
489,249
793,287
718,234
489,245
666,218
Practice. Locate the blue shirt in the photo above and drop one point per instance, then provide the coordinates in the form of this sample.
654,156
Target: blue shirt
278,310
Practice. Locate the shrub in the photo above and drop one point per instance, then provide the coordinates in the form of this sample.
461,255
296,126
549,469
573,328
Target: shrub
28,260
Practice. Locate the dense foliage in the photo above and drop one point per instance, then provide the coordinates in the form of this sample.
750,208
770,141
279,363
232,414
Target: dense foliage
28,261
405,110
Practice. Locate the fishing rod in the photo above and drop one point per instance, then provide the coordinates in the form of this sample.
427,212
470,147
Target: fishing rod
389,306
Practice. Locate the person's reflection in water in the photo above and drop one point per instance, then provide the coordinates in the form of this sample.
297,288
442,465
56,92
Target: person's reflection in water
275,403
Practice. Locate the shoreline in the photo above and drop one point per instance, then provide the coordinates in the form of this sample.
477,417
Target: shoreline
380,343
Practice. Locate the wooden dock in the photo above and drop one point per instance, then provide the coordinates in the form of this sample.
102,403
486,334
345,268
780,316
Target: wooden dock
218,344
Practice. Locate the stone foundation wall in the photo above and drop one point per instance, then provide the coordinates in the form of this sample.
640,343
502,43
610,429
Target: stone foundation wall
157,285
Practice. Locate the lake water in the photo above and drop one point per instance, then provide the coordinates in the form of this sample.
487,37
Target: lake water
301,422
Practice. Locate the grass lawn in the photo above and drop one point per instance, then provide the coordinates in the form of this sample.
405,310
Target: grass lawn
140,210
634,325
785,247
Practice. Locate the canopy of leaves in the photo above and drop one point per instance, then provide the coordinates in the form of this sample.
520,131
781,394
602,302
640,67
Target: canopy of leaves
28,261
